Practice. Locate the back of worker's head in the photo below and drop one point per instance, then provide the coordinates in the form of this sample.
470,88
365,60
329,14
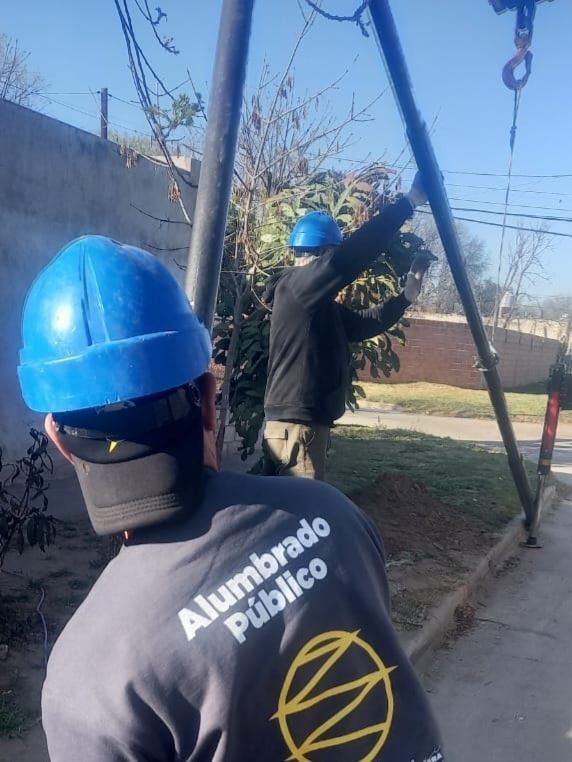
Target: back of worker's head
313,235
113,351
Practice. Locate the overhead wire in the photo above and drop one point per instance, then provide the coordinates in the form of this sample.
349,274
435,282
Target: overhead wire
499,225
47,95
514,190
92,115
475,173
504,174
513,204
543,218
462,209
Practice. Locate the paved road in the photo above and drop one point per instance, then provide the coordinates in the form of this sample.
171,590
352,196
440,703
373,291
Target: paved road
503,692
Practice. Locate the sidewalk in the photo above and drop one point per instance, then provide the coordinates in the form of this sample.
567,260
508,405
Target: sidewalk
503,692
477,430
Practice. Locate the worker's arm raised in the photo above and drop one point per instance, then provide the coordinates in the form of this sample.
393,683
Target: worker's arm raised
364,324
323,279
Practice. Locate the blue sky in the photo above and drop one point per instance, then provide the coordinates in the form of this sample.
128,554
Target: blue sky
455,51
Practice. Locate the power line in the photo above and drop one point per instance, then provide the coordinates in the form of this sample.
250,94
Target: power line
515,190
503,174
47,95
50,92
137,105
512,214
14,86
499,225
497,174
69,106
94,116
514,204
127,103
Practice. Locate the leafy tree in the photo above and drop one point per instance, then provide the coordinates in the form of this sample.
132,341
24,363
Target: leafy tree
23,500
244,326
289,144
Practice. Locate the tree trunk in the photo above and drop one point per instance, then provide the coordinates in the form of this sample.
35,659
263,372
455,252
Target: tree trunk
228,370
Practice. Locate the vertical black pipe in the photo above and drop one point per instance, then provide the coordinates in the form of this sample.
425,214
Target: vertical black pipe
224,110
418,134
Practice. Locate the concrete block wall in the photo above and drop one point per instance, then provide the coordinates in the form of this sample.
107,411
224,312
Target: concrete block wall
443,352
58,183
524,358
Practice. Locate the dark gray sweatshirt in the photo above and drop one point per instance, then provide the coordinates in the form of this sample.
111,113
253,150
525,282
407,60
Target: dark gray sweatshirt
257,629
310,333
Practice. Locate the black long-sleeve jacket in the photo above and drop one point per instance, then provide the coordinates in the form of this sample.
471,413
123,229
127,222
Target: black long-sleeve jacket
310,332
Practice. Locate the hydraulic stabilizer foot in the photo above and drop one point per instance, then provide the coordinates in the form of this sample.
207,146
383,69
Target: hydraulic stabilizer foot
531,543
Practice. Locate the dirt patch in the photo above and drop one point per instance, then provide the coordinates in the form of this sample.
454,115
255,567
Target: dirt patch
53,584
430,546
411,520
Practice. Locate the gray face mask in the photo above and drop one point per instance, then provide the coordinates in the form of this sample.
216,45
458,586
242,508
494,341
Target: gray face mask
307,258
137,465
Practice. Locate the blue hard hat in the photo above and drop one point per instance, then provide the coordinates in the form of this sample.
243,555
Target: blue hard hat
106,323
314,230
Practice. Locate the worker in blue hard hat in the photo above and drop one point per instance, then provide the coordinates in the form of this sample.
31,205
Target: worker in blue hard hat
309,363
201,638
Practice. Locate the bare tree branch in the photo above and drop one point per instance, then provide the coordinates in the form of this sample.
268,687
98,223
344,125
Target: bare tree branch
524,265
165,42
161,219
17,82
306,142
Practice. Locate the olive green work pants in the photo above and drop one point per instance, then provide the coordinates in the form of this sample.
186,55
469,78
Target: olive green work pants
295,449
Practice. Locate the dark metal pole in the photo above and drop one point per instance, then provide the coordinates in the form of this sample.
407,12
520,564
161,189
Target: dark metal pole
209,221
418,134
103,115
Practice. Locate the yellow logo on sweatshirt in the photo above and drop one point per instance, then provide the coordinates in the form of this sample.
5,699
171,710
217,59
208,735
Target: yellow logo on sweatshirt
334,680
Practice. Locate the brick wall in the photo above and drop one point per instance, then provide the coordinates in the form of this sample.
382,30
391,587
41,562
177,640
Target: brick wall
443,352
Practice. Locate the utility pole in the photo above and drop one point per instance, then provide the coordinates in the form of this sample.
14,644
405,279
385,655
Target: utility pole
103,113
217,166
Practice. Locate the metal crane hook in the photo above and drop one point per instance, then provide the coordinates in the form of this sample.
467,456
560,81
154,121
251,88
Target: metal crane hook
523,55
526,10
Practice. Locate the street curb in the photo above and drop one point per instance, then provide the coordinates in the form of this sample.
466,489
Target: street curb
441,619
